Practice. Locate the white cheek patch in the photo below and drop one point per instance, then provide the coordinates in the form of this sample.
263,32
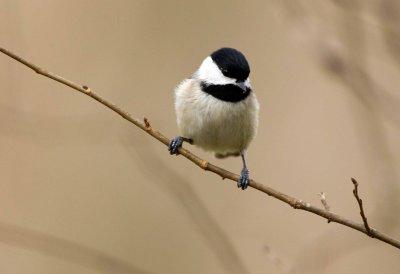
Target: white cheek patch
210,73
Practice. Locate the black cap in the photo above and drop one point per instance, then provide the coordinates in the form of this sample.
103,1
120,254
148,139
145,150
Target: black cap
232,63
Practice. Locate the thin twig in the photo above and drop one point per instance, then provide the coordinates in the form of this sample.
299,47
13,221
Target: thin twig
293,202
360,204
324,202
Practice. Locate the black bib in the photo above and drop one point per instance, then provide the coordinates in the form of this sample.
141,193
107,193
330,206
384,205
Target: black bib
227,93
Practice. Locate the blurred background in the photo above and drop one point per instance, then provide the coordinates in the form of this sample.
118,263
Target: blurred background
84,191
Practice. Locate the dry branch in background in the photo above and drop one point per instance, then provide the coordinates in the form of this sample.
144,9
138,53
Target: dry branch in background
177,186
293,202
67,250
279,262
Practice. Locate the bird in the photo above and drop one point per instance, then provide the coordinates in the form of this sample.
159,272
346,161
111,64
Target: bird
216,108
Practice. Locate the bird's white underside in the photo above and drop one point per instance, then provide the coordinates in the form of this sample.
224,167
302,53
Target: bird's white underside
212,124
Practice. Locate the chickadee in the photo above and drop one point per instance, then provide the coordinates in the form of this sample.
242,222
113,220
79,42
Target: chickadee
216,108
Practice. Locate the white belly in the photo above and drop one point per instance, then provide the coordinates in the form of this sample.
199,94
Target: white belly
213,124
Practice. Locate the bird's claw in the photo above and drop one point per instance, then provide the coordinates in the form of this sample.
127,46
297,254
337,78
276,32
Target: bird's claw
244,179
175,144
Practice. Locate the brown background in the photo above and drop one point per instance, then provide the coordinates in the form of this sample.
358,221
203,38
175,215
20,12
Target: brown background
83,191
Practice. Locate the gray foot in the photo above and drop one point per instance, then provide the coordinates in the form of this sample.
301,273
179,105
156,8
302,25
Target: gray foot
244,179
175,144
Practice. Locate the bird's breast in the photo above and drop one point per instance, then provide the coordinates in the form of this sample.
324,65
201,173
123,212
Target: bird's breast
214,124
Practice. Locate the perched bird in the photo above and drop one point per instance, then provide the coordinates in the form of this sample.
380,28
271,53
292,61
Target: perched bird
216,109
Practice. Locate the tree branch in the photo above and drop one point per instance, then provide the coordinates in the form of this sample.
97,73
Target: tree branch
293,202
324,202
360,204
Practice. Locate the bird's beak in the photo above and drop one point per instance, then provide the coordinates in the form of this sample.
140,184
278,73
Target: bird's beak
242,86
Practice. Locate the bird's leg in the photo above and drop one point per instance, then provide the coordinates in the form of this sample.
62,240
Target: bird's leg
176,143
244,175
